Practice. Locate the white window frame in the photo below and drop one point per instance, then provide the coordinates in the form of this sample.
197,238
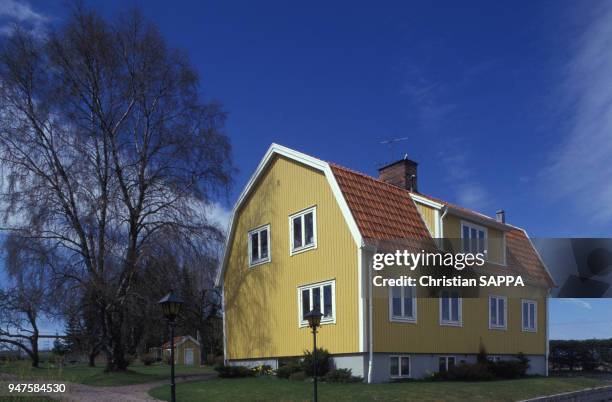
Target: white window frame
399,367
258,231
403,318
451,323
324,320
470,226
491,324
302,213
446,361
535,315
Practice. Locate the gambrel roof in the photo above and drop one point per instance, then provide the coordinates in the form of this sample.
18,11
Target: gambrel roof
377,211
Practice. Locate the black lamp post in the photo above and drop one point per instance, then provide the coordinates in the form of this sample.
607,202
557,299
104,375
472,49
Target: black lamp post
171,306
314,321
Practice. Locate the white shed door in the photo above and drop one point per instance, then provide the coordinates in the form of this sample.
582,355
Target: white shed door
189,356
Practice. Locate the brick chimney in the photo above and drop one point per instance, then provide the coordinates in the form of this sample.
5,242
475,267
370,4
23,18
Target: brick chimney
402,173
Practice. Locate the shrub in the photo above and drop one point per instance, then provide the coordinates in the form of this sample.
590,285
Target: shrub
467,372
508,368
324,362
262,369
288,369
298,376
147,359
341,376
234,371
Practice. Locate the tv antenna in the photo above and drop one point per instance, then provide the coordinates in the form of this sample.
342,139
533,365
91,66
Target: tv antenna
391,142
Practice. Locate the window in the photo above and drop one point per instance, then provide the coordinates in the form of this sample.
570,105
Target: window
259,245
399,366
446,363
303,227
497,312
320,296
450,308
530,312
402,303
494,359
473,238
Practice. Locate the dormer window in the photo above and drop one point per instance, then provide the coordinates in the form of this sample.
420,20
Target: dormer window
473,238
303,230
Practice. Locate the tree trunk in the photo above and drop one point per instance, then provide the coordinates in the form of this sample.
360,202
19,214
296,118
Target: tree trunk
34,355
92,357
115,356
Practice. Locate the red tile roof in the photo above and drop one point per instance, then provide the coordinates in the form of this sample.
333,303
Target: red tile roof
386,212
177,339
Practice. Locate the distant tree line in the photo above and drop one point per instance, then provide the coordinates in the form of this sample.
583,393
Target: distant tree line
110,160
585,355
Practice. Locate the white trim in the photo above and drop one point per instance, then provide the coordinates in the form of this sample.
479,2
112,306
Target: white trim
360,299
260,261
451,323
535,315
224,325
426,201
495,326
315,163
301,214
399,366
546,306
403,319
332,282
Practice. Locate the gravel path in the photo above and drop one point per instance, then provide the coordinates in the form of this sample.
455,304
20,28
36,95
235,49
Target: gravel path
125,393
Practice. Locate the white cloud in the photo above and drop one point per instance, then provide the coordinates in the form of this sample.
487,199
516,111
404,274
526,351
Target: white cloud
469,192
472,195
580,167
578,303
219,215
12,12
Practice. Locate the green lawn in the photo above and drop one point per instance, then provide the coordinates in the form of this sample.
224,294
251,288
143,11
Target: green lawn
81,373
273,389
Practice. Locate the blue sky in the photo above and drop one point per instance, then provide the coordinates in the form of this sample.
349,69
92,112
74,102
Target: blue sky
504,105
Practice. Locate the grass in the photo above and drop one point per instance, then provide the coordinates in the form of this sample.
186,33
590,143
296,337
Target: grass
273,389
137,373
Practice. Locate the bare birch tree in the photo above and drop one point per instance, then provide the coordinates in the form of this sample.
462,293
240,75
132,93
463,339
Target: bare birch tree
104,143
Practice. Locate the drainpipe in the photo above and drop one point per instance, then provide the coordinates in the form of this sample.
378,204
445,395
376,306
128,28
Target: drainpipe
370,324
445,211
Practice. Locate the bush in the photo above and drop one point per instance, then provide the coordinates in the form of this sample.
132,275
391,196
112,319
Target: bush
288,369
466,372
234,371
508,369
147,359
341,376
324,362
298,376
262,369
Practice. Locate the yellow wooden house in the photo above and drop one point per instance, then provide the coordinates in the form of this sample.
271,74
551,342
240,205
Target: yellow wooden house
302,236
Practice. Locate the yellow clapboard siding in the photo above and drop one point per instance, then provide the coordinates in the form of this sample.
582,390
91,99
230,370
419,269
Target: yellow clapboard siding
428,336
428,214
261,303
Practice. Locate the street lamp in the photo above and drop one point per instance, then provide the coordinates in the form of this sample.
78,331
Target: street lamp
314,321
171,306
